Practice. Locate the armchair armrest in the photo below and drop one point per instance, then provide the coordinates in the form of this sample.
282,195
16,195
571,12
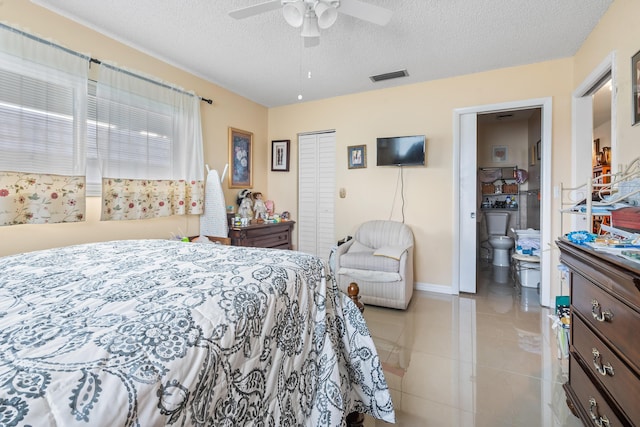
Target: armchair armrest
343,248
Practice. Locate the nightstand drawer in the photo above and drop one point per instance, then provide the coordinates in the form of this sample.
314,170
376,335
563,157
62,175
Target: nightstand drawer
620,381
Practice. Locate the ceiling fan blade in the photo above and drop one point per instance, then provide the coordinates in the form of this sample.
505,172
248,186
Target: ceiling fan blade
311,41
365,11
257,9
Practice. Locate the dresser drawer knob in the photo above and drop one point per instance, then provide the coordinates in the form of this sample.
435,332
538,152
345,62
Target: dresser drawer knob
603,370
598,314
599,420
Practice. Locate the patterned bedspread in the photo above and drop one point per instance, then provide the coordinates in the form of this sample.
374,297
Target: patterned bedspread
155,332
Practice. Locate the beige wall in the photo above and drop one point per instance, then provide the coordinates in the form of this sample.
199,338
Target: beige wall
425,108
511,134
228,109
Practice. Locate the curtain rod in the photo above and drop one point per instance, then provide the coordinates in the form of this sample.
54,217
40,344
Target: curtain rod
94,60
97,61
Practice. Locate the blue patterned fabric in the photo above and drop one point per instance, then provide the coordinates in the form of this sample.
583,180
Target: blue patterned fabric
155,332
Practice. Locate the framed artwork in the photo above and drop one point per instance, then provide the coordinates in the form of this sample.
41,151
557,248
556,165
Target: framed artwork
635,83
538,150
280,155
357,156
499,153
240,158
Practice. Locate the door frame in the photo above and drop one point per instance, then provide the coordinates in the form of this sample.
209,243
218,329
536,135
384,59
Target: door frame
582,127
545,104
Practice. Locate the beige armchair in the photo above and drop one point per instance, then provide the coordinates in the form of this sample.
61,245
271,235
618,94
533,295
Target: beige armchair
379,259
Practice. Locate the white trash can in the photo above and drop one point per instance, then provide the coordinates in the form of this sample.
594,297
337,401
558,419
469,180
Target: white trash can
528,269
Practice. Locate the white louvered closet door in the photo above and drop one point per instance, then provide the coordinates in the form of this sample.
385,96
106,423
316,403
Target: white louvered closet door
316,193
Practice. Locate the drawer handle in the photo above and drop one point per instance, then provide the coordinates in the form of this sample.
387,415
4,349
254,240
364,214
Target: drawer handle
599,420
598,314
603,370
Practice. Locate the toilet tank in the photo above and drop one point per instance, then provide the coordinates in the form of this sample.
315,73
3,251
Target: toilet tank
497,223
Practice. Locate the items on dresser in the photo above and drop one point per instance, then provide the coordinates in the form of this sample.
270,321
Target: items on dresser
265,235
627,219
604,365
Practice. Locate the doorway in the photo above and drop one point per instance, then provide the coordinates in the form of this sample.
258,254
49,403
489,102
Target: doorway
515,192
466,185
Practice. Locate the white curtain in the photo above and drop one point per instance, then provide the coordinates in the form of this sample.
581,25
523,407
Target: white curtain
147,131
43,119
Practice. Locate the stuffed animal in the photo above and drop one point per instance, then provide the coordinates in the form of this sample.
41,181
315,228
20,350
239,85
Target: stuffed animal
270,207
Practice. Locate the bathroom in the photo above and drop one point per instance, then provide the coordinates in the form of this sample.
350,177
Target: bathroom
508,159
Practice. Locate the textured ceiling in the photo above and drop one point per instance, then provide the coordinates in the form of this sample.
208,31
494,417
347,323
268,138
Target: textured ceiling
263,59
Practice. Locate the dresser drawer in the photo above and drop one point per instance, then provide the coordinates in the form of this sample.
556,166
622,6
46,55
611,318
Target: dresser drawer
265,235
617,323
621,382
591,402
270,240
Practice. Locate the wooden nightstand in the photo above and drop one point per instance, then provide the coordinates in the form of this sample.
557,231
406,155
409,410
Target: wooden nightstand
266,235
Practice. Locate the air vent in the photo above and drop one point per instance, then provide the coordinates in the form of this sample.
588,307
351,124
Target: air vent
389,76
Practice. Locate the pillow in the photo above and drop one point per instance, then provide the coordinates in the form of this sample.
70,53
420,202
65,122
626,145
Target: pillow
359,247
394,252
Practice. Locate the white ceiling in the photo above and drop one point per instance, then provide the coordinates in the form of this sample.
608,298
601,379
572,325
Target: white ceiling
263,59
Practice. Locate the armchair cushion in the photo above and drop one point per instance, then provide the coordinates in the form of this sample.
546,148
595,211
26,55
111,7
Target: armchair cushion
367,261
391,251
370,275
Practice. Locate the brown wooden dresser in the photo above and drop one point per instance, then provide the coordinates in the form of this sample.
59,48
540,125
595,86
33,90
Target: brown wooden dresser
266,235
604,362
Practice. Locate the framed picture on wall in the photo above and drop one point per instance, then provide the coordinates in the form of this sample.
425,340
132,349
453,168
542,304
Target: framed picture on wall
499,153
635,83
357,156
280,155
240,158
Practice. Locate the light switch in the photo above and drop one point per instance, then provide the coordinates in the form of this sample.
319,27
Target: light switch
343,193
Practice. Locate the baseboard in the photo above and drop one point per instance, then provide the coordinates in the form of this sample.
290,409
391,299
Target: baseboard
429,287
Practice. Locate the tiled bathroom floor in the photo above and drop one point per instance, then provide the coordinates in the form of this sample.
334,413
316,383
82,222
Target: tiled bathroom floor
488,359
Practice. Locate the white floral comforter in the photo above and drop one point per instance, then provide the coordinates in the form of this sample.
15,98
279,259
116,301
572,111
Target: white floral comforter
154,332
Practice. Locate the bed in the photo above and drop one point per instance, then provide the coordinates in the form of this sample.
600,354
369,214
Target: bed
159,332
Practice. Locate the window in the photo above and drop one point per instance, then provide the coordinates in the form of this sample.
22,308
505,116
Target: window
43,95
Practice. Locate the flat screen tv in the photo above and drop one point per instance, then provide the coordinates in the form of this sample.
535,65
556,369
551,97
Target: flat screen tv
401,151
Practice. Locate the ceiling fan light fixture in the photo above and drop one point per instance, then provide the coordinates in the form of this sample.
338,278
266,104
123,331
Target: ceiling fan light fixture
310,26
294,13
326,13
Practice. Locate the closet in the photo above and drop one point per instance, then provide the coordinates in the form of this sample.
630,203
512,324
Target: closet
316,193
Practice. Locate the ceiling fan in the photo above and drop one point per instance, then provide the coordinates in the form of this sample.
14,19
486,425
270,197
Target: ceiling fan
313,15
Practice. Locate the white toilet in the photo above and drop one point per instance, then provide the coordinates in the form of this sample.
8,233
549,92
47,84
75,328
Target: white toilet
497,223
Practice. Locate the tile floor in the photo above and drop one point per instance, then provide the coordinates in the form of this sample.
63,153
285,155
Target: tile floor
488,359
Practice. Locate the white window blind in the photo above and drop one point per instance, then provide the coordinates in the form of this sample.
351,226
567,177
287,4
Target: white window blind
43,95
